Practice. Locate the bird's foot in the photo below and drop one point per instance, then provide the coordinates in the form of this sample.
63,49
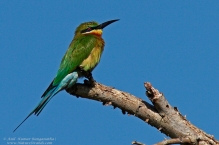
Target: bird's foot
88,75
90,82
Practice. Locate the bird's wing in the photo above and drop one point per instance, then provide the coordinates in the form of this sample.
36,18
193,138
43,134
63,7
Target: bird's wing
78,50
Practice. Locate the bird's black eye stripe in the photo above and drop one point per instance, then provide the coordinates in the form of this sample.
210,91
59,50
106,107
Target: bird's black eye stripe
87,30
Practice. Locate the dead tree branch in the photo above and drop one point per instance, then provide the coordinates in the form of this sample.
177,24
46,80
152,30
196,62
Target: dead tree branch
137,143
160,115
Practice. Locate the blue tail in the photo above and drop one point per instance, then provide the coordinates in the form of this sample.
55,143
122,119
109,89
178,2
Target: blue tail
51,91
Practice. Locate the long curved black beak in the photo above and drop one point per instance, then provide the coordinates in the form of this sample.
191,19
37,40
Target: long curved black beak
103,25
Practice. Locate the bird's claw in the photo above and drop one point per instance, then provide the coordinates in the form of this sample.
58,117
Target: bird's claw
90,82
88,75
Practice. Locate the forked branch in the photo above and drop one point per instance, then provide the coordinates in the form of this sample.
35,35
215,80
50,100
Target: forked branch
160,115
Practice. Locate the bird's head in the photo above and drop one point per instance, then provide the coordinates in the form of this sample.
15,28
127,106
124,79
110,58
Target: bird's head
92,28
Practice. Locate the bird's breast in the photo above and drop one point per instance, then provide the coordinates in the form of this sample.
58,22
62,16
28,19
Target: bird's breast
93,59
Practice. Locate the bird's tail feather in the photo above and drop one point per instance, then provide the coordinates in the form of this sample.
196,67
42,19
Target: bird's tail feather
23,121
44,101
68,81
46,98
51,86
51,91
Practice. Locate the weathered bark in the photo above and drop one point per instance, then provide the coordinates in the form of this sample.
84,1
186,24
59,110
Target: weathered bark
161,114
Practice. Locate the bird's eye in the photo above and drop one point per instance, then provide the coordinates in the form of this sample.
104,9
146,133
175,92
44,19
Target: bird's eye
88,29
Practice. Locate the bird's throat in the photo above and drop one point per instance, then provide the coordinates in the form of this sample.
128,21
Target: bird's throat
96,32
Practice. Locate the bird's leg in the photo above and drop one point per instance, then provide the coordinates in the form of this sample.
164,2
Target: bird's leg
89,76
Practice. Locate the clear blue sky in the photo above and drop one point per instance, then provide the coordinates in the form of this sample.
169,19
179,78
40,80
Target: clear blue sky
172,44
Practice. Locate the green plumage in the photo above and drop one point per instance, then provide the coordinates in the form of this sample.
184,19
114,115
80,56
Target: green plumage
79,50
83,54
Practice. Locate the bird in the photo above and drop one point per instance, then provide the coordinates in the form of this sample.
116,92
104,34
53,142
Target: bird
81,57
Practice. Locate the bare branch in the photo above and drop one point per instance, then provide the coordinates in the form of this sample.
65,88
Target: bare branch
175,141
160,115
137,143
